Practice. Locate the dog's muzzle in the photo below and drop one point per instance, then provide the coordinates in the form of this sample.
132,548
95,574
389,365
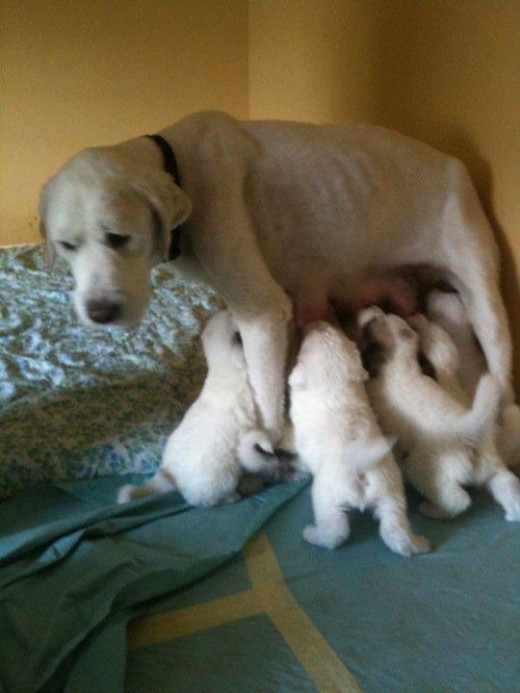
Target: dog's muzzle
103,311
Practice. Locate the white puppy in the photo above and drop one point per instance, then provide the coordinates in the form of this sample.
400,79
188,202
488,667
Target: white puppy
340,443
447,310
260,203
448,446
201,457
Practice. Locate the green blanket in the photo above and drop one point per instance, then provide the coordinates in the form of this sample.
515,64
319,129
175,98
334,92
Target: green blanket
280,617
75,567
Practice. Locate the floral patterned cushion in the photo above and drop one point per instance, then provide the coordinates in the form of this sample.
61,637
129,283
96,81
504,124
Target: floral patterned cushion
78,402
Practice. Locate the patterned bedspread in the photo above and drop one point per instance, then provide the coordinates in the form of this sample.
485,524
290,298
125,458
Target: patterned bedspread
77,402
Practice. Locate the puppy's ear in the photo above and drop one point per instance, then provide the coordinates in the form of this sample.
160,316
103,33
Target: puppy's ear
171,205
298,379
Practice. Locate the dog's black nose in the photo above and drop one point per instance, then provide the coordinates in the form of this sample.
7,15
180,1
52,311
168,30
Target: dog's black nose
103,311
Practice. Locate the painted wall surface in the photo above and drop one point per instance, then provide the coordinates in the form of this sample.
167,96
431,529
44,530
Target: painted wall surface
443,71
93,72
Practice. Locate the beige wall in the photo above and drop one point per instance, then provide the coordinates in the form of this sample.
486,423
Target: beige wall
83,72
445,71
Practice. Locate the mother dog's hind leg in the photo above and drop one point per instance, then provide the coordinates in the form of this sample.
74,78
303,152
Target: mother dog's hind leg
471,254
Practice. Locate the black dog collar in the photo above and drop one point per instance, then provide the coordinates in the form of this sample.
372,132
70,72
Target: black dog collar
170,166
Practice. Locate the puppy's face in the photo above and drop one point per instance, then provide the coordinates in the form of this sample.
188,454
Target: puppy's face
111,228
384,338
222,343
327,359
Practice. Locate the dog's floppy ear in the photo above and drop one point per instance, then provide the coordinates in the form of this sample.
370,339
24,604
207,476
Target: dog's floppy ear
49,246
171,205
50,250
297,378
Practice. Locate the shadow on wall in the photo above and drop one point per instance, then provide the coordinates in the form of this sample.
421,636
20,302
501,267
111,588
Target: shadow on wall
442,73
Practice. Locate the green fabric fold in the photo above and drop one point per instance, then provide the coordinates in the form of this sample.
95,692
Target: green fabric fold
75,567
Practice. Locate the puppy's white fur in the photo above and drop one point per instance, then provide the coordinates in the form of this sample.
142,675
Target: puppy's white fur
261,202
447,311
448,446
339,442
201,457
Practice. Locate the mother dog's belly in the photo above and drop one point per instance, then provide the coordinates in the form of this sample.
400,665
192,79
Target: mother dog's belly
346,235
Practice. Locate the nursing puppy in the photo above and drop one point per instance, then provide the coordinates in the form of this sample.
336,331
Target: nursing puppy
339,442
447,311
447,445
200,459
260,203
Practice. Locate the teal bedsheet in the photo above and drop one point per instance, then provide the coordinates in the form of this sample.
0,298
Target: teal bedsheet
75,567
75,402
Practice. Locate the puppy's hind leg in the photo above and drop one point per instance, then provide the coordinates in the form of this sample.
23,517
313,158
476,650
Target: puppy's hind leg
436,480
453,501
395,529
504,486
161,482
331,526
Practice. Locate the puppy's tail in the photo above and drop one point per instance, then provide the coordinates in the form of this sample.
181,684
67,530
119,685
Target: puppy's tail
484,411
361,455
161,482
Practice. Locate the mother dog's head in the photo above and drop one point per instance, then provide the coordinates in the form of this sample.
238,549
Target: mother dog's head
110,218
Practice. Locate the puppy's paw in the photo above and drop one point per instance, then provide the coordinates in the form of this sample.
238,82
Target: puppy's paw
419,544
320,537
127,493
406,543
513,510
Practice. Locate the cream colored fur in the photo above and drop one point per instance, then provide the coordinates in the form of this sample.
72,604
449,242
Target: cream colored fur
201,458
447,445
447,311
262,202
339,442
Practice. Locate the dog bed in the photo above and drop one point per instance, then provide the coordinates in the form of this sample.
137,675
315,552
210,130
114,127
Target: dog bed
158,596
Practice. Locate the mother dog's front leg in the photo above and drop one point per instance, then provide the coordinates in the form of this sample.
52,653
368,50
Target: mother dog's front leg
265,339
262,310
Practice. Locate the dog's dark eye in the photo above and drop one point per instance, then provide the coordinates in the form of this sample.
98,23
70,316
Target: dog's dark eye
68,246
116,240
237,338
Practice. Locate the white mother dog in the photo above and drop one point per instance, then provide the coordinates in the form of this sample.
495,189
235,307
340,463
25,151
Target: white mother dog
269,209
